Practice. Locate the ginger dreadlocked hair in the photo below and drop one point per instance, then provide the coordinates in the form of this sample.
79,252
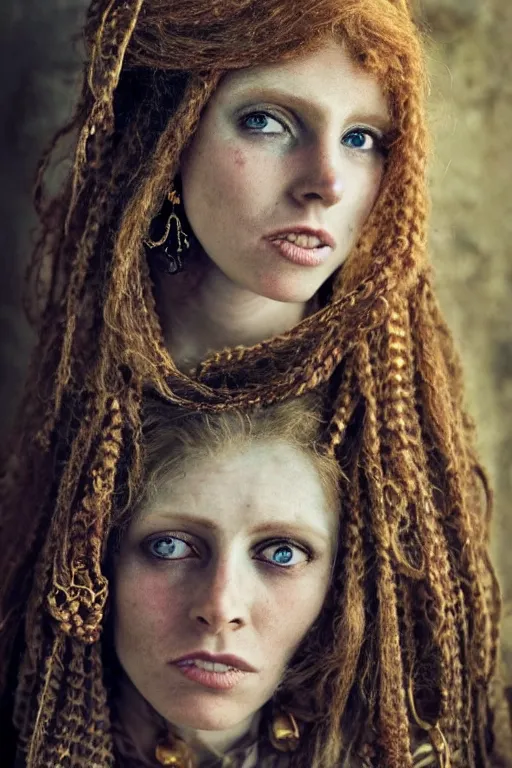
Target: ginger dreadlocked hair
419,604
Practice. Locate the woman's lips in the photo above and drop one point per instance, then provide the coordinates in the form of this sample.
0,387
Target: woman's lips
222,681
304,257
209,660
300,231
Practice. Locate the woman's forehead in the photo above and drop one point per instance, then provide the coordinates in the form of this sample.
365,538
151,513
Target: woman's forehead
321,78
258,480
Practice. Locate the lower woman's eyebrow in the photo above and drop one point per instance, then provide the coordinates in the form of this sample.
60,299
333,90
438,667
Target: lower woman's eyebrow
166,516
275,527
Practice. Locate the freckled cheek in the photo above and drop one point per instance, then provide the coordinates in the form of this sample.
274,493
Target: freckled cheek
364,194
287,616
148,607
236,174
375,185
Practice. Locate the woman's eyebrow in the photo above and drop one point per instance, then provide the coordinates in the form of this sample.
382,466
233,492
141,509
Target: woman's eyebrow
314,110
273,527
280,527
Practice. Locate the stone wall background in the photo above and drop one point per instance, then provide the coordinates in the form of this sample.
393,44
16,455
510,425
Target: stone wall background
470,60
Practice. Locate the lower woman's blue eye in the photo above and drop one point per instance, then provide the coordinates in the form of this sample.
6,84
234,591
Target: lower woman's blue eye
164,547
283,555
169,548
357,139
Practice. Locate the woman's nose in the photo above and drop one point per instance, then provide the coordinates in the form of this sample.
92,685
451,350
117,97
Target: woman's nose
220,600
320,177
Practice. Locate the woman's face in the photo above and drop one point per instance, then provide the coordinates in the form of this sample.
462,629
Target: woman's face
278,148
232,557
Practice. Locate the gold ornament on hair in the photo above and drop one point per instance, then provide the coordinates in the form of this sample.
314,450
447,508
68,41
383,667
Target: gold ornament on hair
284,732
435,733
176,753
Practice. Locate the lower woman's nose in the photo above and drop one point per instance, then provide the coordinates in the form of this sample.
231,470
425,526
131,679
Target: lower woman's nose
220,600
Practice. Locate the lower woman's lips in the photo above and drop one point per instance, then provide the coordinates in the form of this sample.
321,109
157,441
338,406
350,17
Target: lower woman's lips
304,257
222,681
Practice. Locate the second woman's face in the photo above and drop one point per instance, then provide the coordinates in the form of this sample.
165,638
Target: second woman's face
232,557
280,148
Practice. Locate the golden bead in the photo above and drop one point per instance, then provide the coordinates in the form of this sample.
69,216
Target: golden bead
284,732
173,197
177,754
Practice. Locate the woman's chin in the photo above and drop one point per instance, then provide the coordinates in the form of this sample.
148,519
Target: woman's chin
281,282
206,722
287,290
212,718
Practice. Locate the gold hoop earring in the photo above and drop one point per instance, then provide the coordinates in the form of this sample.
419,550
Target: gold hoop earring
284,732
167,254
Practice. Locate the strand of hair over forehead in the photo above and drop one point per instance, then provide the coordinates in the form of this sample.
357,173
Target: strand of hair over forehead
411,635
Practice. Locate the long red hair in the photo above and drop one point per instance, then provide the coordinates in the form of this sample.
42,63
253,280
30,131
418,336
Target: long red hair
418,608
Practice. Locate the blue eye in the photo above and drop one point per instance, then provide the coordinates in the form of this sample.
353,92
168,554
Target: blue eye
262,122
361,139
284,554
168,548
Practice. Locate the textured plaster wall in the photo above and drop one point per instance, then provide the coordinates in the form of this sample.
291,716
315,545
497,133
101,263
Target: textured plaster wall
470,60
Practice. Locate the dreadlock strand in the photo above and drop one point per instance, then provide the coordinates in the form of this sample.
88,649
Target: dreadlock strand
39,287
339,677
406,463
77,607
115,30
352,618
405,492
91,157
60,507
478,643
22,535
464,522
46,703
79,592
394,732
467,748
67,746
107,53
343,409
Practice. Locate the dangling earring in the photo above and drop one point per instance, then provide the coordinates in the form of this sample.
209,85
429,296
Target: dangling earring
166,254
174,752
284,733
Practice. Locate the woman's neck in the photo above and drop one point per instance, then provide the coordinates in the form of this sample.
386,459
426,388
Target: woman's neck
207,743
215,313
145,728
